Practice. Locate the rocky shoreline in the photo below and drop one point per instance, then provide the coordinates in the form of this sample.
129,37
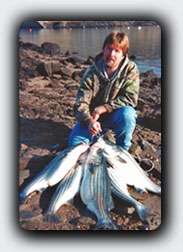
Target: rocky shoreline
82,24
48,86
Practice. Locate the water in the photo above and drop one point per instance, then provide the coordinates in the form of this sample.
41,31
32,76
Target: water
145,43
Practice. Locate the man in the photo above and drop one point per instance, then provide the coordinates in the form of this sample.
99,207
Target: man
108,94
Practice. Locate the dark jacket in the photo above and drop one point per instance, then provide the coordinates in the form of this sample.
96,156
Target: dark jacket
95,89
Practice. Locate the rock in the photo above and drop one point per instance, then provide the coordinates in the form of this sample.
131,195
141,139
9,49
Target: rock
31,46
51,48
146,145
23,162
71,86
67,53
77,75
21,180
24,147
75,60
135,149
24,174
130,210
90,60
75,52
67,71
153,121
31,72
132,57
141,104
155,81
148,74
48,68
24,215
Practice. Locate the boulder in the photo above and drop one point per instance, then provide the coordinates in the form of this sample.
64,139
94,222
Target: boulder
67,71
148,74
155,81
31,46
67,53
90,60
77,75
51,48
75,60
48,68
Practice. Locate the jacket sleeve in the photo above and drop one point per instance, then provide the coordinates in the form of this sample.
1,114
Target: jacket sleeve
83,99
128,92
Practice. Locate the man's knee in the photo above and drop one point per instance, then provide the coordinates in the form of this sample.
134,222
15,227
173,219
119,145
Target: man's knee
126,114
78,135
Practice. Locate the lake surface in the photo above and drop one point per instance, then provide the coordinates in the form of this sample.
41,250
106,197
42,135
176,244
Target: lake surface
145,43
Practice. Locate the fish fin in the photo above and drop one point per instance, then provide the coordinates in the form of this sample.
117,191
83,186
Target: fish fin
50,217
70,202
111,204
22,198
143,212
155,190
89,213
41,189
120,159
140,191
64,153
24,194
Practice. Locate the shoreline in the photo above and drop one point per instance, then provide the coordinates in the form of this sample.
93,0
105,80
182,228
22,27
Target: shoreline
82,24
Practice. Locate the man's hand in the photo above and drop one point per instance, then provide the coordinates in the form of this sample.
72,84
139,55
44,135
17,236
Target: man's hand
94,127
98,111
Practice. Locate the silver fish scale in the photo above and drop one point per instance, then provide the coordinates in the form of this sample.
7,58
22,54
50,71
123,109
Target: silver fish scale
55,171
95,187
66,189
93,172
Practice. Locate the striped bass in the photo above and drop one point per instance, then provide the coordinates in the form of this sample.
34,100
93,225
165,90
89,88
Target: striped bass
55,170
65,191
128,169
95,189
119,188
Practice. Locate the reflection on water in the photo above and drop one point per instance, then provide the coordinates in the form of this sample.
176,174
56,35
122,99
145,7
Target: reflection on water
145,43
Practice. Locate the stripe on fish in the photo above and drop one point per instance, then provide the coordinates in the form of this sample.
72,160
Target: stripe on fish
65,191
119,188
55,171
130,170
95,188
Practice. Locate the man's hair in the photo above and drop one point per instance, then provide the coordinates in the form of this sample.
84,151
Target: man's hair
119,39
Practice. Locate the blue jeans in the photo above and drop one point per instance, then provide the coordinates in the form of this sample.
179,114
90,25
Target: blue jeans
122,121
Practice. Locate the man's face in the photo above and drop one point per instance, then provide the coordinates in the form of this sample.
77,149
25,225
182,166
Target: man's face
113,56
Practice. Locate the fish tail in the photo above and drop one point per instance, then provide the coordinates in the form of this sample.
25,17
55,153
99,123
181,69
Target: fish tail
106,224
158,190
143,212
152,187
22,197
35,185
